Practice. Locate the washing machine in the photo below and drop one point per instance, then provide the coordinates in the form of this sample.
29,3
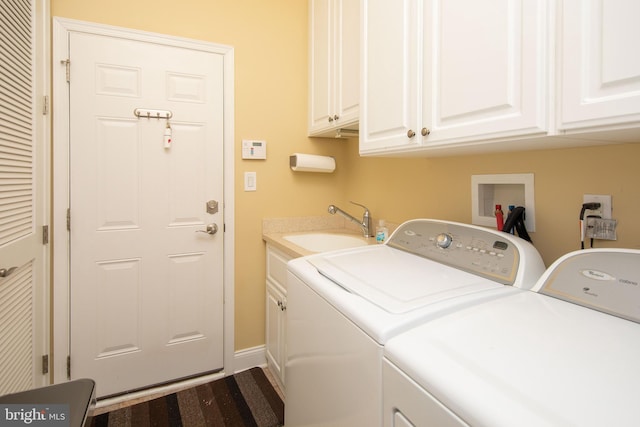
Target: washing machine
565,353
343,306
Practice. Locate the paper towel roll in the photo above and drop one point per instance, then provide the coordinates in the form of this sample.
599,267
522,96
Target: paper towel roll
312,163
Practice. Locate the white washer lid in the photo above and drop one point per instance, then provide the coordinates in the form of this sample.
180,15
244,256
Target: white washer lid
527,360
397,281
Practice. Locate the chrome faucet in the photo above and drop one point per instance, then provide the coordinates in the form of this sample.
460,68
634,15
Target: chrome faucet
366,218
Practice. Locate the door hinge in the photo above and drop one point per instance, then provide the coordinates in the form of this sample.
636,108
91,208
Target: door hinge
67,64
69,219
45,364
45,234
69,367
45,105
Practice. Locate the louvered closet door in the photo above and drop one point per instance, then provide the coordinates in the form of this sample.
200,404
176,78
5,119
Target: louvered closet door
21,250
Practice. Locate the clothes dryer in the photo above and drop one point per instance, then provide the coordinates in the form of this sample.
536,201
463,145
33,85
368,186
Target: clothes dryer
562,354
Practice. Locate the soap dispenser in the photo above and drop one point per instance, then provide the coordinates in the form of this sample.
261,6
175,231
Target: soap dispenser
382,232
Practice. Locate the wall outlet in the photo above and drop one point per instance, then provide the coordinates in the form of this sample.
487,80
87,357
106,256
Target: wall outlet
605,204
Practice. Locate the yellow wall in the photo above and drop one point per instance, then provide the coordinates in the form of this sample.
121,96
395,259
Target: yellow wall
401,189
270,42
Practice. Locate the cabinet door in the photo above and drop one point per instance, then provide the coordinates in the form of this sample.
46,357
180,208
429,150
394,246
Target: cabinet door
334,79
347,57
321,63
391,78
275,333
599,79
485,69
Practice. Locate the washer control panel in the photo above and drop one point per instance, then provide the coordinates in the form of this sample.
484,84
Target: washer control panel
480,251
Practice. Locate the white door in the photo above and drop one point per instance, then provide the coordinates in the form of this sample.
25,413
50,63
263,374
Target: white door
24,278
146,285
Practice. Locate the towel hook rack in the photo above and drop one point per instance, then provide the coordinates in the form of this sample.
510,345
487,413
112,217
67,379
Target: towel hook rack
149,113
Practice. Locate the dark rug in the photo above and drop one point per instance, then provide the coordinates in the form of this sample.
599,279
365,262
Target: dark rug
244,399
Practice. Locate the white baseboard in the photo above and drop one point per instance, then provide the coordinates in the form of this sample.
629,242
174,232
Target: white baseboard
249,358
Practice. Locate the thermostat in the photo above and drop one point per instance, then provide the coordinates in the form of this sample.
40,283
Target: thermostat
254,149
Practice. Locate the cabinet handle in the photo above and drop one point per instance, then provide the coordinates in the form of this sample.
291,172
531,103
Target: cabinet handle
330,119
411,133
336,117
425,132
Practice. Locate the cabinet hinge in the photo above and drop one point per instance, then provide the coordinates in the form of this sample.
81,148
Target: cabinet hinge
69,219
45,364
69,367
45,105
45,234
67,64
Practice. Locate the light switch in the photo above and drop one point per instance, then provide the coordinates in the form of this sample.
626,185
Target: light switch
250,181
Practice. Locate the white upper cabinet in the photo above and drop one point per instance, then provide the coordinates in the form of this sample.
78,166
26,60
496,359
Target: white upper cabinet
334,66
598,65
439,74
486,73
391,77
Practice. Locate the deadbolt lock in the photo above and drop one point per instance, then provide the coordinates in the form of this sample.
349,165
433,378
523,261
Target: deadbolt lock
212,206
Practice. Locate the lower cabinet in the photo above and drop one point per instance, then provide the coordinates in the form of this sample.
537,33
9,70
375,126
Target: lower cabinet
276,313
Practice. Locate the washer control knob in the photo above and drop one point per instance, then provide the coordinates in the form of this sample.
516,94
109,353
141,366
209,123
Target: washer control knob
444,240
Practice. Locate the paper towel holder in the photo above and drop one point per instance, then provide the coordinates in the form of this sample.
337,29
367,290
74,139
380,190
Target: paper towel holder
299,162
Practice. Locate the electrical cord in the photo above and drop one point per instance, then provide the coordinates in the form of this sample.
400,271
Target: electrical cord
591,226
586,206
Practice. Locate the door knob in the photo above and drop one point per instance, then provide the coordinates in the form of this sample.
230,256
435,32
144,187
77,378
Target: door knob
211,229
4,272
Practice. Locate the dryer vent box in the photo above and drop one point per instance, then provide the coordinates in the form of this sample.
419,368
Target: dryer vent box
487,191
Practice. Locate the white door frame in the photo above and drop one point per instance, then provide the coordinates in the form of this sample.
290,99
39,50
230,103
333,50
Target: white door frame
62,27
